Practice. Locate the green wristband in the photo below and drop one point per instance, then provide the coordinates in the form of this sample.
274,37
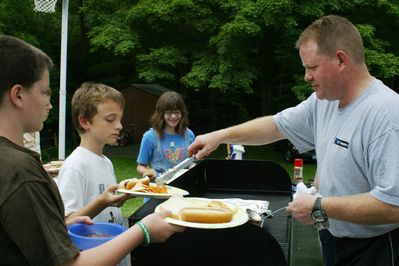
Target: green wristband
147,237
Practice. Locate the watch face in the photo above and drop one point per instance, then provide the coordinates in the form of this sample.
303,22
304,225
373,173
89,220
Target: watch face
320,219
318,216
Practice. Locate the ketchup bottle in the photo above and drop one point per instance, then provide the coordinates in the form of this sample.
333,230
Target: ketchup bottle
298,173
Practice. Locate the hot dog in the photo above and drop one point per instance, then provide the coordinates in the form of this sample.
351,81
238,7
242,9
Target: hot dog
205,215
130,183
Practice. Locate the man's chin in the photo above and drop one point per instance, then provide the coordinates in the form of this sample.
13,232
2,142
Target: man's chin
320,96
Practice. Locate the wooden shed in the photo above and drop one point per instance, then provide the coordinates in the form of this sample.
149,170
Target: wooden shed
140,104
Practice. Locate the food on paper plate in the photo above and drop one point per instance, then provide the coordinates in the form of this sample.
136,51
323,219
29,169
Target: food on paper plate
142,185
53,167
174,204
222,205
56,163
198,211
130,183
205,215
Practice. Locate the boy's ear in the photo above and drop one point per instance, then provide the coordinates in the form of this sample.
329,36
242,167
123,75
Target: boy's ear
15,95
83,122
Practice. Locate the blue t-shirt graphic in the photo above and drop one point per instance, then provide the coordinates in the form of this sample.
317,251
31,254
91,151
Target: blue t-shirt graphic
163,154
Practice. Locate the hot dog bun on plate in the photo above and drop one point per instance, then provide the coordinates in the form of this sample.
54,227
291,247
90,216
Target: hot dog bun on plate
199,211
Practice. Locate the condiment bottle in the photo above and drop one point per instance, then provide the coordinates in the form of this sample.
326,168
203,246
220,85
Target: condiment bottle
298,174
298,171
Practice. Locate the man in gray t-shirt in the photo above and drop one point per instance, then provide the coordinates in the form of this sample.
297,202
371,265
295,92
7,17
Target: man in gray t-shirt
355,147
352,120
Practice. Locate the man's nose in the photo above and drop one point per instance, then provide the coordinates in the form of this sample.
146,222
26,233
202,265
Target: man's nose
308,76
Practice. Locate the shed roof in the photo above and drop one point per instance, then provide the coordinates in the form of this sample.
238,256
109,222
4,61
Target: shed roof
154,89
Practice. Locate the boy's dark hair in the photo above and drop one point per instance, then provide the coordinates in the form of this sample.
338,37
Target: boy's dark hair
20,63
169,101
86,99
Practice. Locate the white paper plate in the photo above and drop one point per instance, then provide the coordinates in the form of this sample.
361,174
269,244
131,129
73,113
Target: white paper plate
171,191
240,217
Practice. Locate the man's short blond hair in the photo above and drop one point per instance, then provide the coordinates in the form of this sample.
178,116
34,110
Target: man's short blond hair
333,33
86,99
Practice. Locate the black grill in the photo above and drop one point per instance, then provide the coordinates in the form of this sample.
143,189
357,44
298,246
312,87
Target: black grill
248,244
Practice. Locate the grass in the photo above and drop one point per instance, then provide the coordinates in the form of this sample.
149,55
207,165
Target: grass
125,167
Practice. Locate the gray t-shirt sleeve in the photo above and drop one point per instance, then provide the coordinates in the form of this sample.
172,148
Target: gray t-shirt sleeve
297,124
383,167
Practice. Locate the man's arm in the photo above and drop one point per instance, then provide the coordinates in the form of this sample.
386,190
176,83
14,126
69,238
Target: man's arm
360,208
258,131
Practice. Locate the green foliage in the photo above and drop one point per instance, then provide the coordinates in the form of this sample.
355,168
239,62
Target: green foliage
119,40
381,63
218,44
238,56
49,154
157,64
232,59
202,69
301,89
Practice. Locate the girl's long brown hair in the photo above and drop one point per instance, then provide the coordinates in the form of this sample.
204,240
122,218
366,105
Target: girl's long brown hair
169,101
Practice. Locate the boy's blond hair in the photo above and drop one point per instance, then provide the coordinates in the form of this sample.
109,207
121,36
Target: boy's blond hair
86,99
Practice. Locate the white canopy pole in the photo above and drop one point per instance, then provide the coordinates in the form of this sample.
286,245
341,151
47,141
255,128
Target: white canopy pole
63,71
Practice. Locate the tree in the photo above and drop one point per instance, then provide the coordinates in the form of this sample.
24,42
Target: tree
232,59
229,50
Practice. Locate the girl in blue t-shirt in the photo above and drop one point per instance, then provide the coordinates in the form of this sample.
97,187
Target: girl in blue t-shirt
165,144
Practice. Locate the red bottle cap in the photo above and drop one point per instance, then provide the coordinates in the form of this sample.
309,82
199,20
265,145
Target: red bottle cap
298,163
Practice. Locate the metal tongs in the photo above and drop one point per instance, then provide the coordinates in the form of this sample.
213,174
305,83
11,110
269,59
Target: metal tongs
167,177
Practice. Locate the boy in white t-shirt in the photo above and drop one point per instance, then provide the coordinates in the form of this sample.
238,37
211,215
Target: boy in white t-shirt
86,180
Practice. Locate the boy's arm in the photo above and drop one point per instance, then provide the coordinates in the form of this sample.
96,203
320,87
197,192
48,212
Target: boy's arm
78,219
111,252
106,199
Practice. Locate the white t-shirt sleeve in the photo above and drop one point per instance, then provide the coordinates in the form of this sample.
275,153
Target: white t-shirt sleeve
71,185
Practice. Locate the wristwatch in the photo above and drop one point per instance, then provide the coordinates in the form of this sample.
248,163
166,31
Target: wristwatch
319,215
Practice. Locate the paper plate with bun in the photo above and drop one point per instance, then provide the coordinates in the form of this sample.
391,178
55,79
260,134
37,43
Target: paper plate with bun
202,213
143,188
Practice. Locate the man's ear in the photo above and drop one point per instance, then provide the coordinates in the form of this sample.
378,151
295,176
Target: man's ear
83,122
16,95
342,57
